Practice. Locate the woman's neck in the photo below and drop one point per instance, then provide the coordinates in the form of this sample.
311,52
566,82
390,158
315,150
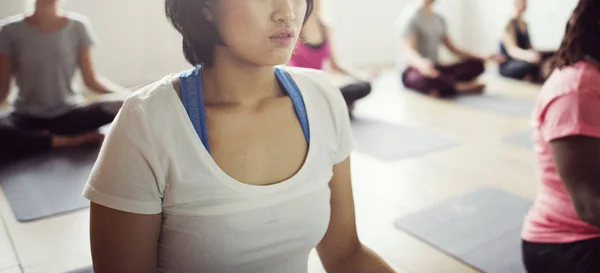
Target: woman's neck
426,8
239,84
46,12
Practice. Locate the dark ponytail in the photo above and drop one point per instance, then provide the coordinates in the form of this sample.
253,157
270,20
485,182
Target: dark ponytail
582,35
200,35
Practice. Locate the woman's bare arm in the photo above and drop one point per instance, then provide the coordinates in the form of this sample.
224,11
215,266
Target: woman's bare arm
340,250
5,77
123,242
93,81
577,159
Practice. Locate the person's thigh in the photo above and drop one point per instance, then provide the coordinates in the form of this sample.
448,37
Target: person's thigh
20,137
85,119
467,70
414,80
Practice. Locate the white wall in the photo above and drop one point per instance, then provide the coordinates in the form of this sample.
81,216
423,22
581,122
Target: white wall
484,22
10,7
365,34
136,45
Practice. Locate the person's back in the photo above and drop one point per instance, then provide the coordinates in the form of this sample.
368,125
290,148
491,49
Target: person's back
561,232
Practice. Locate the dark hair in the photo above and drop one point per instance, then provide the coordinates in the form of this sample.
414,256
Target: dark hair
582,35
200,35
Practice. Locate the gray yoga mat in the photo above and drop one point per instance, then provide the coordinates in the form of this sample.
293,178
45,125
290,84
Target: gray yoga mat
47,184
523,138
501,105
388,141
481,229
84,270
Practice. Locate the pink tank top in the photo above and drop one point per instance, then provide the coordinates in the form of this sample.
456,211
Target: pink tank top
309,57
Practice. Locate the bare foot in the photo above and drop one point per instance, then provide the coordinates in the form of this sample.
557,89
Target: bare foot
470,88
434,93
92,138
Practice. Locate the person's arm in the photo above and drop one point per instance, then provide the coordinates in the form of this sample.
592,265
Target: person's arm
509,40
577,159
5,77
335,64
570,124
126,190
93,81
414,59
341,250
123,242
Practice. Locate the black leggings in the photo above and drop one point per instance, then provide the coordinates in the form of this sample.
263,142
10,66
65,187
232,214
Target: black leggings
355,91
578,257
23,135
518,70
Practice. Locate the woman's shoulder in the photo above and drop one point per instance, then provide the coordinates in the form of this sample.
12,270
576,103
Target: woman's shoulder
154,95
12,21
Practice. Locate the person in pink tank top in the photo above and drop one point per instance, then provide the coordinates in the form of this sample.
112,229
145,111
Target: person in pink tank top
561,232
314,51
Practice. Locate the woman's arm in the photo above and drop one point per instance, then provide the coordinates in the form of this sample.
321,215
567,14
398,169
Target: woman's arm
509,39
414,59
333,60
577,159
123,242
5,77
96,83
340,250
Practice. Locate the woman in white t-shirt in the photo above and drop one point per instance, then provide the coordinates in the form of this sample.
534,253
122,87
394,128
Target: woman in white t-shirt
233,166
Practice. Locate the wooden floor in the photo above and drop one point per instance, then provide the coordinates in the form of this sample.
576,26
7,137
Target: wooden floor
383,190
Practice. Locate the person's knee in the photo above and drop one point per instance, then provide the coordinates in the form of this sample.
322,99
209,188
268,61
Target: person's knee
477,66
112,107
519,70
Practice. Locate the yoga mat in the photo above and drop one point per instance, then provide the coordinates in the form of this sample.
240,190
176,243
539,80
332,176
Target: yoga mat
388,141
523,138
501,105
84,270
481,229
47,184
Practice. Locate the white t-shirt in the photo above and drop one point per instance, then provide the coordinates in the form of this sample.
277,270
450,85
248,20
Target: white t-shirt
154,162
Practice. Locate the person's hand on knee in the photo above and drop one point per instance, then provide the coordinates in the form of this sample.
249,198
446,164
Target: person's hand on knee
427,69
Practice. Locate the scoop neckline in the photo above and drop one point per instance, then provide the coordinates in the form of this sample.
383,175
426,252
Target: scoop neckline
218,171
58,30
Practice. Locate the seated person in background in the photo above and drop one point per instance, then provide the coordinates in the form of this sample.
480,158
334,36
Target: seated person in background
562,230
523,62
315,51
42,52
423,32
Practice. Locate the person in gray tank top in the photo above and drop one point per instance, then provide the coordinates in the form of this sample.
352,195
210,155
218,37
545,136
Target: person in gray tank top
423,33
42,52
